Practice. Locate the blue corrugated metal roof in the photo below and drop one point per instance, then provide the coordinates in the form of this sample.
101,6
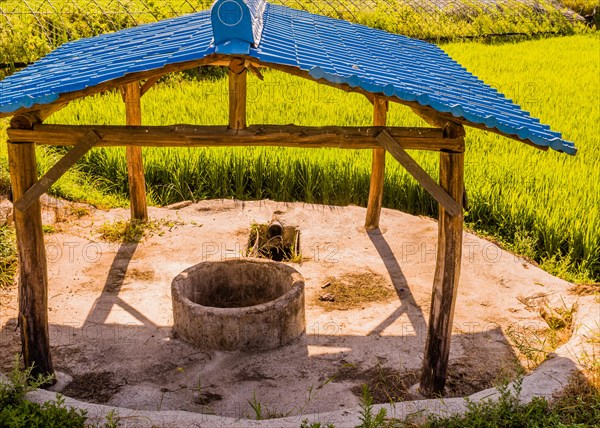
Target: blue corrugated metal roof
331,49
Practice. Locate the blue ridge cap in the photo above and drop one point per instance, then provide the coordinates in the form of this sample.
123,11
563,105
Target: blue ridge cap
235,22
334,50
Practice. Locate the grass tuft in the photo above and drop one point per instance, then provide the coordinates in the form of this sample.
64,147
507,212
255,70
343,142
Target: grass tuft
367,418
131,231
535,344
8,257
16,412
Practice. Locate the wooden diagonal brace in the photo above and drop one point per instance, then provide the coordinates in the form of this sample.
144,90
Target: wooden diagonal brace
391,145
57,171
148,84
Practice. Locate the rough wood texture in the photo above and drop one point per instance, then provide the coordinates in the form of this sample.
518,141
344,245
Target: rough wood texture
255,135
33,276
237,94
148,84
380,109
57,171
431,117
446,200
135,166
445,283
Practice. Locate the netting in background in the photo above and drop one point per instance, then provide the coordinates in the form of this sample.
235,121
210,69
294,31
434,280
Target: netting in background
31,28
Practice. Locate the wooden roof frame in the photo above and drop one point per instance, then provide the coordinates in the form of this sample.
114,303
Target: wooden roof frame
27,129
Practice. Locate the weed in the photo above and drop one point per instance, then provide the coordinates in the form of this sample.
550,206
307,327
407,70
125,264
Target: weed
264,412
112,419
534,345
15,411
585,289
48,229
559,318
306,424
256,407
132,231
367,418
579,402
122,231
577,406
79,212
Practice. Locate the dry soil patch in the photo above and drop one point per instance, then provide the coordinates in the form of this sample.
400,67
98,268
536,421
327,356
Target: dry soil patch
111,318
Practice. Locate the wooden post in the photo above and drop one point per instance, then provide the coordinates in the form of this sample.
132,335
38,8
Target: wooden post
33,274
135,165
445,283
237,94
377,171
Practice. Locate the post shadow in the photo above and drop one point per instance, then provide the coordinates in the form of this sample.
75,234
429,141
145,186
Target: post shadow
408,304
113,285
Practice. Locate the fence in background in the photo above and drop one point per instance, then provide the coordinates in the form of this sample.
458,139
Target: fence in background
31,28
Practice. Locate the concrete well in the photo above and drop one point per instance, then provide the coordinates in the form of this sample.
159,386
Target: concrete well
238,304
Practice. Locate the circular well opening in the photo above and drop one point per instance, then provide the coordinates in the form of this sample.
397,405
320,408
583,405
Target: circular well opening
238,285
239,304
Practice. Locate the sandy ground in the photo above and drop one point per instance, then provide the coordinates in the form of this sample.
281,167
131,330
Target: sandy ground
111,319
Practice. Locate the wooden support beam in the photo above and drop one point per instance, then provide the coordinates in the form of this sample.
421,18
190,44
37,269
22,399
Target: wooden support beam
255,135
43,184
28,120
445,283
439,193
430,116
237,94
33,274
148,84
254,70
380,109
135,165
